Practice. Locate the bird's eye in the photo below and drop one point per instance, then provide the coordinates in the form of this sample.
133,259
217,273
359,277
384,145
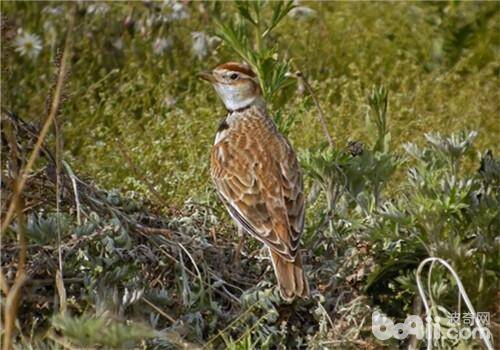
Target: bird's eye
233,76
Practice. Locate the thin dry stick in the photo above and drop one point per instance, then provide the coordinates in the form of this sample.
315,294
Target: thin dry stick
61,290
75,192
321,116
13,294
54,107
165,232
228,297
192,261
160,311
4,286
14,156
12,300
61,341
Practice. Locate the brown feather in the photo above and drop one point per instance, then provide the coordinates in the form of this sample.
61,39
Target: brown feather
290,276
257,175
237,67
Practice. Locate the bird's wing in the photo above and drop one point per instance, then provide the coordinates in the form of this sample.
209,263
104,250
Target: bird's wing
293,194
261,185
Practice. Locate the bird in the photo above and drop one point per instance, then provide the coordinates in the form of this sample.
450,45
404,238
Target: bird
257,175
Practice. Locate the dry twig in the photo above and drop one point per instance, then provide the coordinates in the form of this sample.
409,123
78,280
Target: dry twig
14,294
53,109
321,116
16,205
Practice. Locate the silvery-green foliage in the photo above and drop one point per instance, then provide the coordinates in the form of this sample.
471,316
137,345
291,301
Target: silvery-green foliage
45,228
453,147
445,213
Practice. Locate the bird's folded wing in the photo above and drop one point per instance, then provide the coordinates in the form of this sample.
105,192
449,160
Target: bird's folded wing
263,193
293,194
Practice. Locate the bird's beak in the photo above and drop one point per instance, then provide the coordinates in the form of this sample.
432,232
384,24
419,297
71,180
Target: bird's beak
207,76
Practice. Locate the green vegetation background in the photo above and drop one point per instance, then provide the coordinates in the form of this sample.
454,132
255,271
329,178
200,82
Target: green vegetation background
439,62
134,113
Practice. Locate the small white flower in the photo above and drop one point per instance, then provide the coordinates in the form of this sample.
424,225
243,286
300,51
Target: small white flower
161,45
200,44
28,45
167,3
53,10
169,101
118,44
302,13
179,11
141,27
98,9
161,19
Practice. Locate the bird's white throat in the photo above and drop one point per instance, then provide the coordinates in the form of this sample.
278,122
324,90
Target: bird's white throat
234,97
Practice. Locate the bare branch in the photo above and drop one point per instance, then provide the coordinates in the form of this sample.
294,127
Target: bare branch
14,294
321,116
53,109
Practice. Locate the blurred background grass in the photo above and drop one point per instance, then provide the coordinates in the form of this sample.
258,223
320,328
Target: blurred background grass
133,79
135,114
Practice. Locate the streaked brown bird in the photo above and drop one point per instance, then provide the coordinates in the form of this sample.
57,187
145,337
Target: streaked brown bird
257,175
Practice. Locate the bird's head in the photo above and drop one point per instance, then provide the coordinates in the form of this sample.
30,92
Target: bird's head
235,83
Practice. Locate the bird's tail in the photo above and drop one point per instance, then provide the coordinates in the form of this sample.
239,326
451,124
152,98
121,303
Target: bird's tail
291,279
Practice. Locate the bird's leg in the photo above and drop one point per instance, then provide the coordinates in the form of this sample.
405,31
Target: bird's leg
239,247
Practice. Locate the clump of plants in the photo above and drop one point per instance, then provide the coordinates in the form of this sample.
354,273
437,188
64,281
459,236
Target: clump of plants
440,209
